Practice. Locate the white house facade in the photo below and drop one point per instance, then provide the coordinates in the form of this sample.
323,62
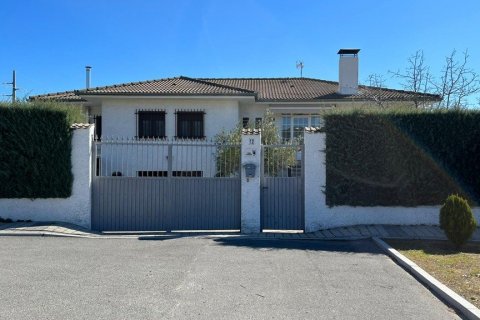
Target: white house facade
156,164
199,108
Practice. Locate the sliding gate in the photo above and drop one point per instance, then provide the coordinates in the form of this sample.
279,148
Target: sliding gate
153,185
282,187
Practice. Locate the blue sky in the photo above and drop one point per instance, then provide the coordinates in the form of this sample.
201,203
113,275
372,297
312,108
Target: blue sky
50,42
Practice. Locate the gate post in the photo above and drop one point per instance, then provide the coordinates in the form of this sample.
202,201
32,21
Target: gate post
314,179
251,150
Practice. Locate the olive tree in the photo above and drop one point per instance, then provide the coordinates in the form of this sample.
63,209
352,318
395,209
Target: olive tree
275,159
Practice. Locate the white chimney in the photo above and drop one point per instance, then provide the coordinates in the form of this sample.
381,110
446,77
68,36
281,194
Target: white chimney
87,76
348,71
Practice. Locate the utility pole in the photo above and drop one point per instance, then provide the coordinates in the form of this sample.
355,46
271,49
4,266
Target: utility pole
14,87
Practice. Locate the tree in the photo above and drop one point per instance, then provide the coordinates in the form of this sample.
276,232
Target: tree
416,78
373,91
457,220
228,150
458,82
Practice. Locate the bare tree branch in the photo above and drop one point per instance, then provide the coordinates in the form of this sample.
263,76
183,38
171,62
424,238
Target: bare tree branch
458,82
416,78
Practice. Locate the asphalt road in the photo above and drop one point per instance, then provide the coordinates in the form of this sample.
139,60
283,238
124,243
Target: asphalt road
186,278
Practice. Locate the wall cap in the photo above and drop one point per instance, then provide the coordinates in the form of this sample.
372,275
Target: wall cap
80,126
251,131
313,130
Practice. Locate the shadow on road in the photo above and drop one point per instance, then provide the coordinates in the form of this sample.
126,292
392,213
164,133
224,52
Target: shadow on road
357,246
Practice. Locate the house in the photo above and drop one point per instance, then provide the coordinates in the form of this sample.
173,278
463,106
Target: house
156,169
199,108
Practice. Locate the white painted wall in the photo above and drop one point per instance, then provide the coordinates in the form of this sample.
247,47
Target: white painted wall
119,120
252,110
77,208
319,216
348,74
250,197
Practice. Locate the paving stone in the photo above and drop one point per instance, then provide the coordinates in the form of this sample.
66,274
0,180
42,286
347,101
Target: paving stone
381,231
346,232
373,232
394,231
427,231
363,230
354,232
336,233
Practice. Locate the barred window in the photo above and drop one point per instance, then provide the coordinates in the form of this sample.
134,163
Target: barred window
151,124
190,125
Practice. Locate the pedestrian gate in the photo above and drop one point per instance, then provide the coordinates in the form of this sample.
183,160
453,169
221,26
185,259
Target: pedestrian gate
282,187
142,185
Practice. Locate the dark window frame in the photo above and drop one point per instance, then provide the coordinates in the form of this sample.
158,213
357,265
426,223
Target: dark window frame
190,117
150,115
258,123
97,120
245,122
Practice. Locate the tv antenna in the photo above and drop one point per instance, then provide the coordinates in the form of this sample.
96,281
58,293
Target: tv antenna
300,66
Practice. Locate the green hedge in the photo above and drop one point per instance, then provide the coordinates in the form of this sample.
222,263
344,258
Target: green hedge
35,150
402,158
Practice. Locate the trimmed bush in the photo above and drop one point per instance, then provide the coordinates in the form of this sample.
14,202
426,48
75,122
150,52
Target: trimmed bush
457,220
35,150
402,158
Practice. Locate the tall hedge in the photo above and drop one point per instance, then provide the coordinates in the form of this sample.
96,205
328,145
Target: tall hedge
35,150
402,158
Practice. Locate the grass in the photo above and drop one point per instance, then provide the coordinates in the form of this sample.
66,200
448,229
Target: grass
459,270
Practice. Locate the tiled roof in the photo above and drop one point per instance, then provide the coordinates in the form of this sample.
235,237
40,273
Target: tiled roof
308,89
263,89
66,96
170,86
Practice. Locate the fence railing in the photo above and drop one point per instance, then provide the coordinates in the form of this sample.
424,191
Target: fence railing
124,157
283,160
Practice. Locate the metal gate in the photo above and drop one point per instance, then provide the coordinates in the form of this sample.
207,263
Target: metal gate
153,185
282,187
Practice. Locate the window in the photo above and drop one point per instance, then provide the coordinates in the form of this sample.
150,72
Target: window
292,126
299,124
151,124
286,130
97,120
245,122
316,122
258,123
190,125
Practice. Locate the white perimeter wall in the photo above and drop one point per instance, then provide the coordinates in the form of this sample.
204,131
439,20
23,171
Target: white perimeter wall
319,216
75,209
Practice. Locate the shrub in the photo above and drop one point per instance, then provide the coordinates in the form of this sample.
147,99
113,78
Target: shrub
35,149
457,220
402,157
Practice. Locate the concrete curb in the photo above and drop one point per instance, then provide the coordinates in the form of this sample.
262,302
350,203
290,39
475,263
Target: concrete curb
466,308
60,235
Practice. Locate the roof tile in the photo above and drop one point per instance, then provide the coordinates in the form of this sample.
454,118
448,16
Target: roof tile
263,89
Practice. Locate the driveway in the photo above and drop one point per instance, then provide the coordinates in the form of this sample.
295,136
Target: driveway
222,278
